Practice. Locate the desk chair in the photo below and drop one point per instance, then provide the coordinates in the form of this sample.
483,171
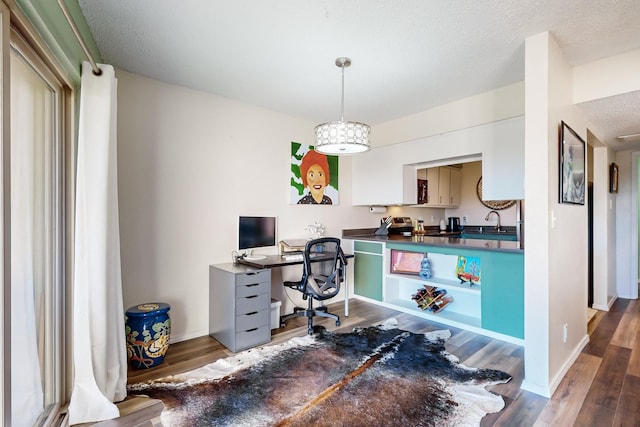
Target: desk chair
320,279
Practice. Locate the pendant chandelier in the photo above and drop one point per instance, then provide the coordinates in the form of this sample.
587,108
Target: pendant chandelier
336,138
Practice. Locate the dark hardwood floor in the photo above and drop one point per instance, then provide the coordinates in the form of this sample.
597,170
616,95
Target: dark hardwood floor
601,389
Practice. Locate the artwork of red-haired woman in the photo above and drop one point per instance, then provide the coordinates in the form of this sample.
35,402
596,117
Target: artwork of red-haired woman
314,171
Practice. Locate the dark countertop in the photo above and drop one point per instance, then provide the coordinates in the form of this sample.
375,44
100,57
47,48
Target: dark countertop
446,240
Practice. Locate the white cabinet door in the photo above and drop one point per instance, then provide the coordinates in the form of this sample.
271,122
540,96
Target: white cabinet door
503,162
377,178
409,185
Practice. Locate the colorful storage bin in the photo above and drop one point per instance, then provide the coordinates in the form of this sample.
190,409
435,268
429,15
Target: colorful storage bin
148,329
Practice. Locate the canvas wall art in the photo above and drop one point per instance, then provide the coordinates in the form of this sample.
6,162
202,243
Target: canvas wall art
314,177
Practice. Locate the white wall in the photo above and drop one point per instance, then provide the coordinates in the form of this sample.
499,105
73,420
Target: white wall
556,254
189,164
488,107
537,185
604,234
606,77
626,224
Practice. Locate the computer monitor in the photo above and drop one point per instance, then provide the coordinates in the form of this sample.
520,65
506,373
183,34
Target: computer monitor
256,232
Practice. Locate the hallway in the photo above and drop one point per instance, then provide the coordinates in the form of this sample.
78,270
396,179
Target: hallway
603,387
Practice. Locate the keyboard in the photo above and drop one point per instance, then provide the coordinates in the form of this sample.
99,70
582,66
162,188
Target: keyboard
294,257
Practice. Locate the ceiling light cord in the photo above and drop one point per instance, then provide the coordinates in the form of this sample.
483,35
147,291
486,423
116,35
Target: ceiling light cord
342,100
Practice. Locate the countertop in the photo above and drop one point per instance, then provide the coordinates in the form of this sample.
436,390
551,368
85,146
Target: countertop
448,240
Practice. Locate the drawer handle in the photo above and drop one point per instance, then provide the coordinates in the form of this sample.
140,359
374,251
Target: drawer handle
252,313
252,285
252,296
251,330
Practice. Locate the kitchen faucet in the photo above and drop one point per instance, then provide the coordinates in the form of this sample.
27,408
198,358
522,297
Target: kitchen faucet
497,215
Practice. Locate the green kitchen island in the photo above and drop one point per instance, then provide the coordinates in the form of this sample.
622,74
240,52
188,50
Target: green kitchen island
492,303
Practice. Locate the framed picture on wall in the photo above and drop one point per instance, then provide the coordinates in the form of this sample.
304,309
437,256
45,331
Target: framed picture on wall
613,178
572,166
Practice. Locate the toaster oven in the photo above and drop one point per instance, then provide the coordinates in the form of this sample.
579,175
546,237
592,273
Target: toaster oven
400,225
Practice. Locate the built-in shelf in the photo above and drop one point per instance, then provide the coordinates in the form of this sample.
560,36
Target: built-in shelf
437,282
446,316
465,307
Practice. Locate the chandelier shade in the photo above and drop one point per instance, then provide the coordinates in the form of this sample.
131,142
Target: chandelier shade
342,137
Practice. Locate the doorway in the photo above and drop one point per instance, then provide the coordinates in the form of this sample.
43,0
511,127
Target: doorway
590,245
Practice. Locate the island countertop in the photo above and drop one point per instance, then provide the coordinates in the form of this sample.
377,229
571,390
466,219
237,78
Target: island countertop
448,240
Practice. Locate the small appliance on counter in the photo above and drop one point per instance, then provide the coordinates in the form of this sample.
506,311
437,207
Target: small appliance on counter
454,224
401,225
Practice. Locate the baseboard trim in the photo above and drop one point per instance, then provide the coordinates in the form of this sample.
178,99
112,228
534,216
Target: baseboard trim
569,363
535,389
553,385
184,337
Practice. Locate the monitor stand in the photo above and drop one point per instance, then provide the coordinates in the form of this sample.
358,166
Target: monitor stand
249,256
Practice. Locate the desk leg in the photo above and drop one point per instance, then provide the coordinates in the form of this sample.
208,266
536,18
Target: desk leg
346,291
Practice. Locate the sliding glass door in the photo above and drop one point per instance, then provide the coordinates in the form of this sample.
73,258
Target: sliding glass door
37,237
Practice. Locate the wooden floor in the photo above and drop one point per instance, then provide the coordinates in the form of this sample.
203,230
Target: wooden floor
601,389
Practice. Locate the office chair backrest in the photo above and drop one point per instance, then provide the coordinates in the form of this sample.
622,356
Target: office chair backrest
323,278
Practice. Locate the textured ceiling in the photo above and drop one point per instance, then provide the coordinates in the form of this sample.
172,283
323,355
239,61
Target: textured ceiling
408,55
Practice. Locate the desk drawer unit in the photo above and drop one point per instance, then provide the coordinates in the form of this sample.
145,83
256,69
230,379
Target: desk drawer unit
239,306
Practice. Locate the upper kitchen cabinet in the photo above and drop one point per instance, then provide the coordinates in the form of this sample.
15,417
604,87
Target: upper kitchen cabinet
441,187
503,162
455,186
388,175
378,178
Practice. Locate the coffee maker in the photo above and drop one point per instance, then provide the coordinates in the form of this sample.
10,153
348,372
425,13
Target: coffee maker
453,224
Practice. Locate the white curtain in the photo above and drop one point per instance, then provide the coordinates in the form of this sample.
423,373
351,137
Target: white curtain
29,96
99,351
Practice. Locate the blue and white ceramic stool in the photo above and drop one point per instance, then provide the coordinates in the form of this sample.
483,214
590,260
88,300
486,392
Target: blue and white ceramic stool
148,329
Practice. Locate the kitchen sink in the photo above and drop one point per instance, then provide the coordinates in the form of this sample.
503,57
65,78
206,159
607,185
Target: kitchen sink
489,235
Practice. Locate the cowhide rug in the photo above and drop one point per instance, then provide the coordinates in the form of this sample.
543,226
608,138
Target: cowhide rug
376,376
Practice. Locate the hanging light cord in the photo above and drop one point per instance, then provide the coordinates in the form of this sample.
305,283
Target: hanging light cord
342,100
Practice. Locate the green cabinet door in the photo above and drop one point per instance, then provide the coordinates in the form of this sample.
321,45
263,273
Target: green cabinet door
503,294
367,271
